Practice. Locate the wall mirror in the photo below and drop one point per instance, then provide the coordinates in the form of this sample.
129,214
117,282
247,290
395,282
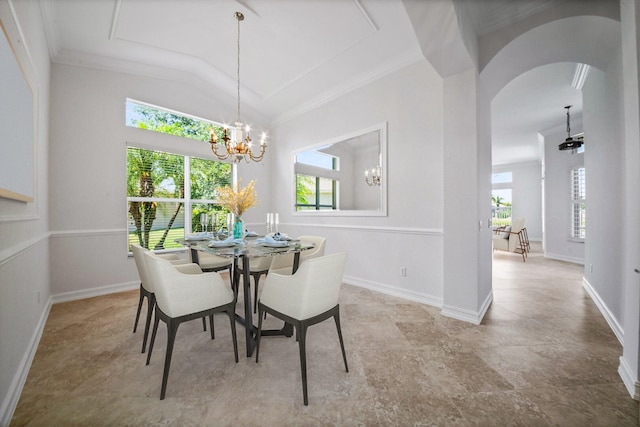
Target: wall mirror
345,176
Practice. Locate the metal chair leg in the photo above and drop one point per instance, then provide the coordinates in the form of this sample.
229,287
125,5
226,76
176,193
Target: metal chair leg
151,303
336,317
172,329
301,329
135,325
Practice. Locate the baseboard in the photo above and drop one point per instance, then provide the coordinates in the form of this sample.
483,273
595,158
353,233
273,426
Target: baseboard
604,310
17,384
469,316
449,311
389,290
564,258
95,292
625,372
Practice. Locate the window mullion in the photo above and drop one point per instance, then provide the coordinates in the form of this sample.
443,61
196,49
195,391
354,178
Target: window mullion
188,226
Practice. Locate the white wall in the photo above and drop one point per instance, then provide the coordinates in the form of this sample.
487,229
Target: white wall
526,194
467,198
629,368
24,246
410,101
604,167
88,171
557,214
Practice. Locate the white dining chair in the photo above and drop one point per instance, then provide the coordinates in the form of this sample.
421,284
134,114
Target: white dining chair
211,262
146,286
283,264
182,297
303,299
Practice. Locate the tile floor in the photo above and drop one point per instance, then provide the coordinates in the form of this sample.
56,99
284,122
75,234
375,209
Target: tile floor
542,356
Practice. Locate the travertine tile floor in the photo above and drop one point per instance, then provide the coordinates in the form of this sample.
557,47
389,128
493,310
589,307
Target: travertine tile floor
542,356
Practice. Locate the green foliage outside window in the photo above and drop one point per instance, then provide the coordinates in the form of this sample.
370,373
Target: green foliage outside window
153,175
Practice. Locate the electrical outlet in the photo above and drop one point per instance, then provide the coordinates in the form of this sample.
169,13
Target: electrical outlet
403,271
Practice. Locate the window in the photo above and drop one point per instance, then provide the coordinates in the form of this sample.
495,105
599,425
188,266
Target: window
501,198
316,186
578,208
315,193
158,119
169,194
501,177
158,196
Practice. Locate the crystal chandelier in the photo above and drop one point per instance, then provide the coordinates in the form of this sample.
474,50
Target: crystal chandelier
570,143
372,177
240,147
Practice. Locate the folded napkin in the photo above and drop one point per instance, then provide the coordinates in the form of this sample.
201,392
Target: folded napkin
272,241
281,237
227,242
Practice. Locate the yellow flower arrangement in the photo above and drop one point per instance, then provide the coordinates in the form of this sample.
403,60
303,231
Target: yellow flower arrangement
238,199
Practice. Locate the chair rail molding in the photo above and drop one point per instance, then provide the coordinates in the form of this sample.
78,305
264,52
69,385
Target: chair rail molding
10,253
374,228
95,232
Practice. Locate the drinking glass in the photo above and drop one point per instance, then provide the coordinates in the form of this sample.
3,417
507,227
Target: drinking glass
204,220
269,222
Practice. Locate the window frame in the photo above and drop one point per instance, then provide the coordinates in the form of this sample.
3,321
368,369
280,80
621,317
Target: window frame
578,204
187,201
318,173
192,143
317,206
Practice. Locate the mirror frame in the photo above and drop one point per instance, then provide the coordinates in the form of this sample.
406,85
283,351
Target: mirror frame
382,129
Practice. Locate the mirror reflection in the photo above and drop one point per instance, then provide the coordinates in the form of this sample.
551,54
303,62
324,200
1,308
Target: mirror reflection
343,176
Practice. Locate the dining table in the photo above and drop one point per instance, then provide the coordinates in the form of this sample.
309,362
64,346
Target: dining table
246,249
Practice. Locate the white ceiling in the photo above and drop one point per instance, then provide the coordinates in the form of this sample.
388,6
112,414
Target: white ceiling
296,54
531,103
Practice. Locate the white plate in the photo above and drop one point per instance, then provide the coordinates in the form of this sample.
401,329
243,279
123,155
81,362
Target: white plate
276,245
221,244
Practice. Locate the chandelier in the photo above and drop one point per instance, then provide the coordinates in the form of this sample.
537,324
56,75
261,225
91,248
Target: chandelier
374,178
570,143
240,147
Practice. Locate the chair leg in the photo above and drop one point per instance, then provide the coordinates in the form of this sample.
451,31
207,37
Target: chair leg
135,325
153,337
204,324
232,318
213,334
172,329
151,303
230,275
336,317
259,333
301,329
256,280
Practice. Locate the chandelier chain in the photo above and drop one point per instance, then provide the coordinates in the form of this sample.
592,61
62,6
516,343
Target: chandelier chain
240,147
238,18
